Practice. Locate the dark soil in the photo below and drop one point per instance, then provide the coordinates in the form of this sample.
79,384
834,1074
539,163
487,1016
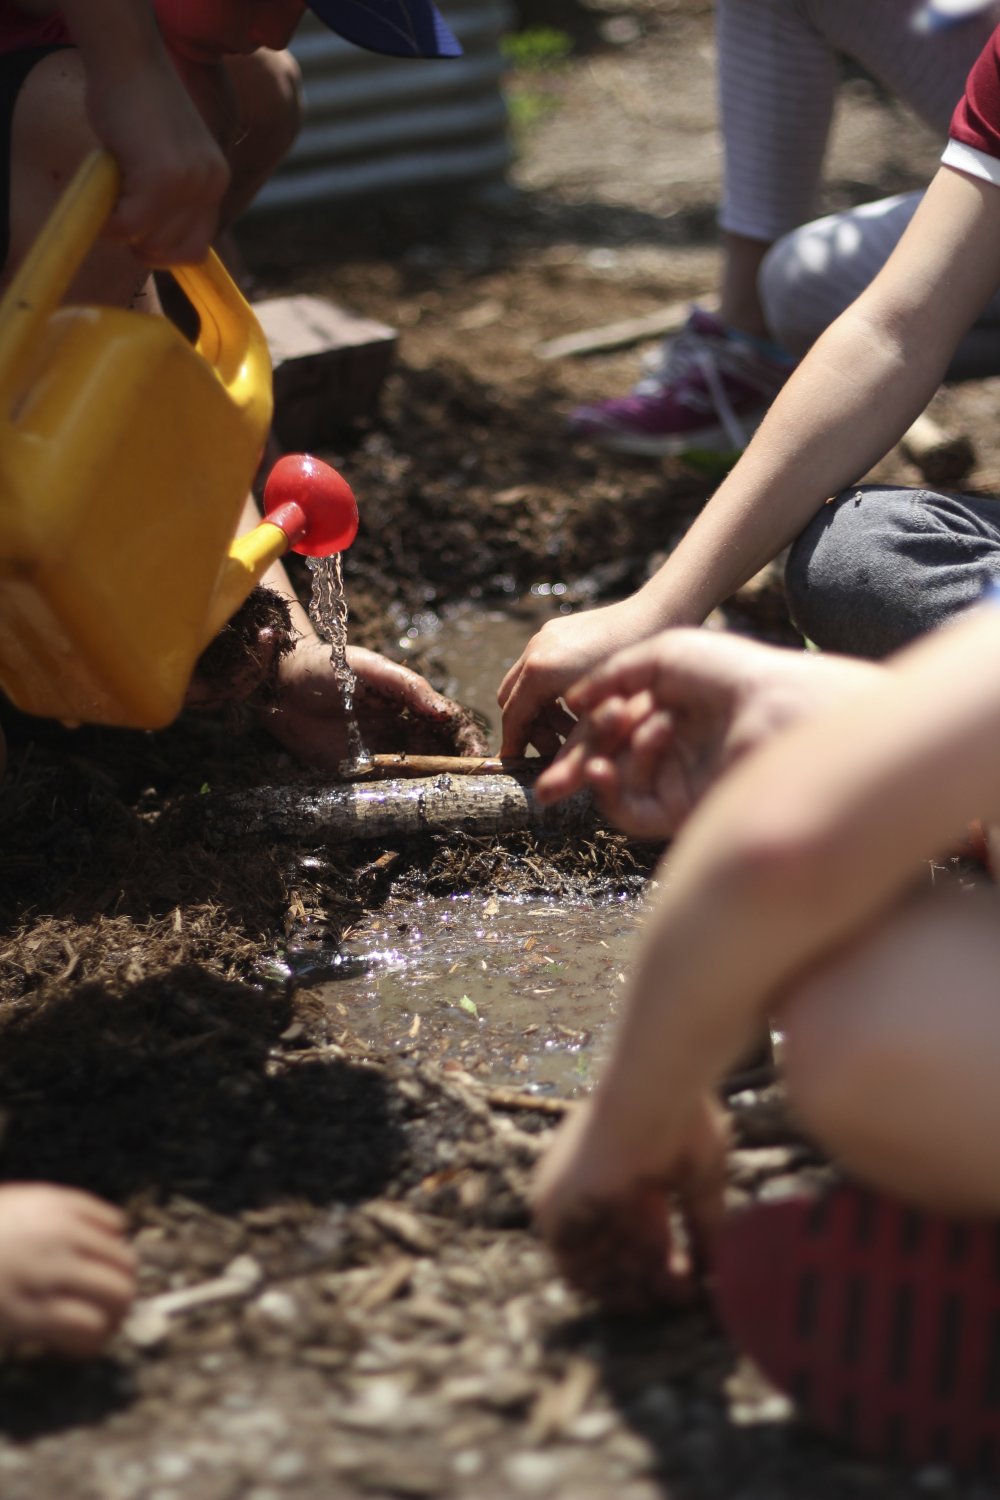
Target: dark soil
398,1330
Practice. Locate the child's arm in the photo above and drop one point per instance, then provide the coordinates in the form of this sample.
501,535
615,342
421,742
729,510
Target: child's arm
805,843
173,172
853,396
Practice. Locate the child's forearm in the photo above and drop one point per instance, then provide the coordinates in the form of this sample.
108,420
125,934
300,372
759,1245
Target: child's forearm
823,433
850,400
804,844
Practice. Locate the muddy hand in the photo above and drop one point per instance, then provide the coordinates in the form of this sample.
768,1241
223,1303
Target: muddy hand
242,662
608,1229
394,708
605,1208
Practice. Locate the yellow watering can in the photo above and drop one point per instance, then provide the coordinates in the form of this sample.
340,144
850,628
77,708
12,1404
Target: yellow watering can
126,455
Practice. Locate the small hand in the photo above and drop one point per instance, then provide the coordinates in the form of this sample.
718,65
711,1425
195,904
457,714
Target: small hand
605,1211
394,709
67,1278
173,172
661,721
561,652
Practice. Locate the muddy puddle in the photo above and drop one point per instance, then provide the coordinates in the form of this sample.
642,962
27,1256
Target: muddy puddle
477,644
516,990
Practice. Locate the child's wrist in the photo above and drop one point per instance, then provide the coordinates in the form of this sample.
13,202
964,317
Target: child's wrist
113,45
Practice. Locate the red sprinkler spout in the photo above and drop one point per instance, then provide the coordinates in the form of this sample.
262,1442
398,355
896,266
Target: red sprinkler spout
312,504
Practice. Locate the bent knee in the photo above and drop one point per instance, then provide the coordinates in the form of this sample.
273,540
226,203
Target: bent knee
793,295
865,1030
850,586
269,89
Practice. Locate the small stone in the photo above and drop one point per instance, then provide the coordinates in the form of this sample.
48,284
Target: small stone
171,1466
657,1407
284,1467
621,31
632,1450
467,1463
592,1426
278,1307
932,1478
535,1473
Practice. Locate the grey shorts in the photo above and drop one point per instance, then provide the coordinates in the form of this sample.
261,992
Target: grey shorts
877,567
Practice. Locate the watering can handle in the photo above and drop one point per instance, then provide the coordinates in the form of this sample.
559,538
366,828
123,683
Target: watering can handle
47,271
230,340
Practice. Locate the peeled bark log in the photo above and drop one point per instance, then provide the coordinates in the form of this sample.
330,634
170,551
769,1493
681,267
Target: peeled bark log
385,810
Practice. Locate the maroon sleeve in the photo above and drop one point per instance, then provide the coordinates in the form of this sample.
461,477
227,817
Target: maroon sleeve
976,121
19,30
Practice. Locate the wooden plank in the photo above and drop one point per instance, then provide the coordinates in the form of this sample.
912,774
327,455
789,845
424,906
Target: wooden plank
621,335
329,365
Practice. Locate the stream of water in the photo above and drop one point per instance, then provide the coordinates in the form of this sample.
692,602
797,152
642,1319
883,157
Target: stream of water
328,612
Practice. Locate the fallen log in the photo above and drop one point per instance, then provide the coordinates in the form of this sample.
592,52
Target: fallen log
494,804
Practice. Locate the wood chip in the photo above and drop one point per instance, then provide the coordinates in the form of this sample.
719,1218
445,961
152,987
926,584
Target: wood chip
559,1405
149,1321
385,1286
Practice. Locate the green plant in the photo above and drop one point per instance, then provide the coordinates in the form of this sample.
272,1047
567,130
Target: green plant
530,53
536,49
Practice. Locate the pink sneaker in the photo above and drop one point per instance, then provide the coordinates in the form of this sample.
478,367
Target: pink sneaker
708,392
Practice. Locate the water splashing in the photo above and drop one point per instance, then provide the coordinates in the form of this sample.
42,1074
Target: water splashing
328,612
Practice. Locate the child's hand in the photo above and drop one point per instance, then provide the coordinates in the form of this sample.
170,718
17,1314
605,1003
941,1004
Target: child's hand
606,1216
67,1278
555,658
395,709
173,172
661,721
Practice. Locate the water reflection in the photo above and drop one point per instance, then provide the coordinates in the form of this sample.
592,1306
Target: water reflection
512,990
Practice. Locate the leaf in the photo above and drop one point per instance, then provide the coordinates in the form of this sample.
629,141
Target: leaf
468,1005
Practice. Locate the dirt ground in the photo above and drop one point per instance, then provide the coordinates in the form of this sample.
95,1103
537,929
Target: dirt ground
388,1324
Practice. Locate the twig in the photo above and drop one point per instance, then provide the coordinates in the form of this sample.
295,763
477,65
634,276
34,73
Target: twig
385,767
513,1099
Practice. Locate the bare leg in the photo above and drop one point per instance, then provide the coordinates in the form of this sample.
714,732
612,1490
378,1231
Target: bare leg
892,1054
739,299
67,1278
50,138
267,90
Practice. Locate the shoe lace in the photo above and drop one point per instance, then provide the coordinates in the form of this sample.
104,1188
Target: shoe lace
691,353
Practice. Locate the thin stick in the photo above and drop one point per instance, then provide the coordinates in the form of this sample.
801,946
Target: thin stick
539,1104
386,767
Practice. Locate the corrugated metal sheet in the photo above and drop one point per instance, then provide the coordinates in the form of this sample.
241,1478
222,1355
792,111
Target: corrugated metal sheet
378,124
